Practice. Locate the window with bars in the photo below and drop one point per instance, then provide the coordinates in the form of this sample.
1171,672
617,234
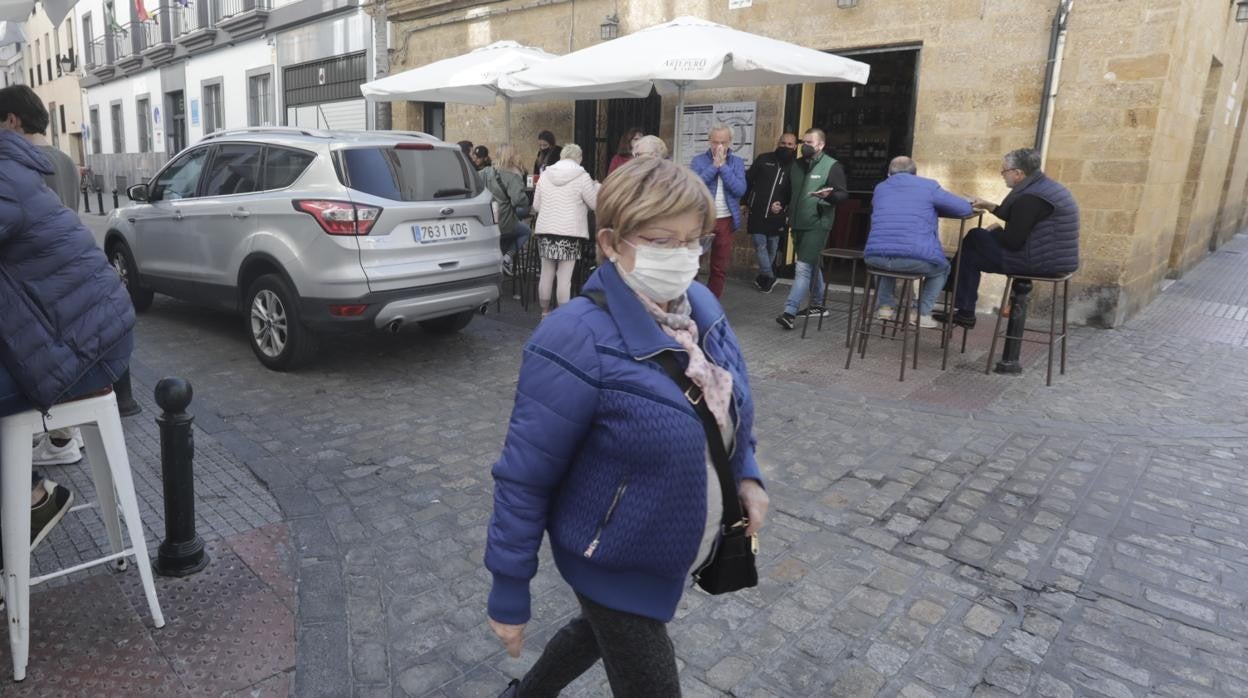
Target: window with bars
96,147
213,112
143,119
260,100
119,128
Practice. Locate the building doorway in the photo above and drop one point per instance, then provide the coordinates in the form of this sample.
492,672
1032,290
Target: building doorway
601,123
175,131
867,125
435,119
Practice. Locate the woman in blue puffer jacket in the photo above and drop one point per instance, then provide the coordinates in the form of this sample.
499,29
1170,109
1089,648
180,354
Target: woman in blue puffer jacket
606,454
65,319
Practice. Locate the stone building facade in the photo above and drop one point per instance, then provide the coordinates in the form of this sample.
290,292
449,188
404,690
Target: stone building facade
1146,122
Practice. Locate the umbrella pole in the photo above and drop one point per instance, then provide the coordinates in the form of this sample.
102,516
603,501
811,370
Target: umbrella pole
507,115
680,116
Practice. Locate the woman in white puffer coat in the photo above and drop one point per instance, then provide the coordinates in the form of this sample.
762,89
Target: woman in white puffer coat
564,196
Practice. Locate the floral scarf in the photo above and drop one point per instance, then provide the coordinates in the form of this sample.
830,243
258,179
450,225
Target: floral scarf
715,382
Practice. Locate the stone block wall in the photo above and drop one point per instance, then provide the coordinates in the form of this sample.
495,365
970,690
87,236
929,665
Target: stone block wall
1150,174
1125,123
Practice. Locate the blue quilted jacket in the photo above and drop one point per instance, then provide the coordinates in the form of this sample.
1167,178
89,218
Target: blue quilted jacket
904,212
605,454
733,175
62,307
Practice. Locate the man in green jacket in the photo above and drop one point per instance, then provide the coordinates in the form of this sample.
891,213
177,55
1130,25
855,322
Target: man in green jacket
818,182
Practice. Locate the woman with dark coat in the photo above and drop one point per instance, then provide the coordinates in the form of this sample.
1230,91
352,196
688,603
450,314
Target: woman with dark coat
548,152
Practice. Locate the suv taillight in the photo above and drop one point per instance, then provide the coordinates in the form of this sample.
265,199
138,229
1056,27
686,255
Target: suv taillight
495,210
340,217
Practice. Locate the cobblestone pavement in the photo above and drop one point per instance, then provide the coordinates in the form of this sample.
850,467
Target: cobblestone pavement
955,534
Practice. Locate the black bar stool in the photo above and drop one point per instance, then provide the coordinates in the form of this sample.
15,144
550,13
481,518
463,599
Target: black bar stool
1054,336
910,287
827,258
951,288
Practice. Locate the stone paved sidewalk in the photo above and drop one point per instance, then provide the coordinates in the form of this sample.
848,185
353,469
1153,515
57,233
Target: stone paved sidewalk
955,534
230,629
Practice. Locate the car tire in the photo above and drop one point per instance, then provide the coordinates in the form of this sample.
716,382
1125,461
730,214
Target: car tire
122,261
274,328
447,324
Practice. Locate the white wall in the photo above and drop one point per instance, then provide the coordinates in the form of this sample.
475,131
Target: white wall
127,90
231,65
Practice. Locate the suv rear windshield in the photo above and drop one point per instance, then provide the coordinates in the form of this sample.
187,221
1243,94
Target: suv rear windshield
408,175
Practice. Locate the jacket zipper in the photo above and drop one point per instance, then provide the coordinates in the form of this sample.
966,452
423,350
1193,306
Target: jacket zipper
615,501
774,183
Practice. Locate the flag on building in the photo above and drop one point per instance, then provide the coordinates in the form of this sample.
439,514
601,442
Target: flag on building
141,11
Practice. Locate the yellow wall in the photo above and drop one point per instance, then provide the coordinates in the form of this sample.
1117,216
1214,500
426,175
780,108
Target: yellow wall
1124,127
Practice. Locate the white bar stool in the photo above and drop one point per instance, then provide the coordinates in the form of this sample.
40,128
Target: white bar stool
110,470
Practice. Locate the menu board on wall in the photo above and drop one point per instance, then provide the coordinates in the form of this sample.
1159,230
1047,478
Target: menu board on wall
696,122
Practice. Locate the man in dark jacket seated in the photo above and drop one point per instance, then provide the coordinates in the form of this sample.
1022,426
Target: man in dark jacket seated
1040,237
905,235
66,321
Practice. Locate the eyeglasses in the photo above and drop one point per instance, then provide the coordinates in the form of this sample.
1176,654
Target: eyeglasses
1010,169
673,242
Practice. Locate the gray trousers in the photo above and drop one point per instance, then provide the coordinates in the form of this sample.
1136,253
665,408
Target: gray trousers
635,650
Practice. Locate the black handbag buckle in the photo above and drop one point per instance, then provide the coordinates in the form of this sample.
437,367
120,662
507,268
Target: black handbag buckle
691,398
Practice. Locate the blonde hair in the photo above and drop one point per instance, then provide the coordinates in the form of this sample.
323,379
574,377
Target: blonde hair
650,146
571,151
507,159
647,189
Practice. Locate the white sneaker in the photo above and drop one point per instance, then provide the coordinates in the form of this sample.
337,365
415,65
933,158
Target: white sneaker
885,312
926,322
48,453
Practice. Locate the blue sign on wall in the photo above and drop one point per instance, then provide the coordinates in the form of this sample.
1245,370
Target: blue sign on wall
156,114
194,112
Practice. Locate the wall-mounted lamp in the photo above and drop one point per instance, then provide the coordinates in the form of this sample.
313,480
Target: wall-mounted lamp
610,27
846,4
1241,11
66,62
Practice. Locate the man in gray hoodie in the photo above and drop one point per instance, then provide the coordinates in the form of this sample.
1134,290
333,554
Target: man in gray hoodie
22,111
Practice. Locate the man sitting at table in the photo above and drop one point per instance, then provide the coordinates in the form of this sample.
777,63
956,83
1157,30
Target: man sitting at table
905,237
1041,233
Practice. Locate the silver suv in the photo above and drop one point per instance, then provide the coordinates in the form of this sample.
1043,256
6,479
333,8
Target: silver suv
313,232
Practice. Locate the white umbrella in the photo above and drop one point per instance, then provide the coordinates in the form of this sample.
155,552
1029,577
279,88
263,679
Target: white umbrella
471,78
674,56
11,33
18,11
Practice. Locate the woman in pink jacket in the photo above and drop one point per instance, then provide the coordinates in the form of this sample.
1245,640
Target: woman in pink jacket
563,199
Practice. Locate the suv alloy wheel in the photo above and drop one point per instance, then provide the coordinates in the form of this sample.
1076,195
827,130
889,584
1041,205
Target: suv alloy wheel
277,335
122,261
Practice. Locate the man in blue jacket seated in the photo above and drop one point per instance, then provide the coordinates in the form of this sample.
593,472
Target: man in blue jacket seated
65,318
905,236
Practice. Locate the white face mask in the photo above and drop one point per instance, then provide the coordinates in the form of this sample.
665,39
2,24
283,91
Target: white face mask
661,274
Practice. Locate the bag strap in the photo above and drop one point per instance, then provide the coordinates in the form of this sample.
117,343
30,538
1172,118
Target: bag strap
715,441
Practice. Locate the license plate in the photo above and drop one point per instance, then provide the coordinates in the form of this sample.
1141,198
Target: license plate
439,232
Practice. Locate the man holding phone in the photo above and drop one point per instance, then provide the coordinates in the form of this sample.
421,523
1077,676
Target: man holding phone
724,175
819,184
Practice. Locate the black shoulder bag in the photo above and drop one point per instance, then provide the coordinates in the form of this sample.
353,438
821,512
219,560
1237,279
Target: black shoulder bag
730,566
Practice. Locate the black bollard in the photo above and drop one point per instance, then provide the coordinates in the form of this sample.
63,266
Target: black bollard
99,199
126,404
86,200
115,204
182,552
1020,296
